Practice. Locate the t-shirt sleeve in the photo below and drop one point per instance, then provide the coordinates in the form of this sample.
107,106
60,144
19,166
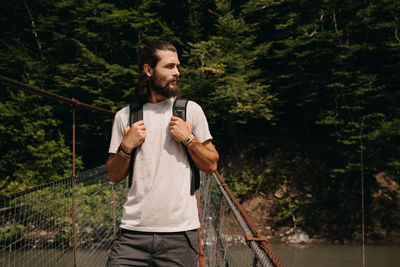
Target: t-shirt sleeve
117,133
199,122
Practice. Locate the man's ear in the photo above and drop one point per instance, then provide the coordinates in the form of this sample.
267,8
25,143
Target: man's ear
148,70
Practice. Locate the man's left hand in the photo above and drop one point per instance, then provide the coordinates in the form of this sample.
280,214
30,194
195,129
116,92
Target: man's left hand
179,129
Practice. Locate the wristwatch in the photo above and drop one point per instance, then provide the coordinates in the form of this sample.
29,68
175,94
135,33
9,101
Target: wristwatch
188,139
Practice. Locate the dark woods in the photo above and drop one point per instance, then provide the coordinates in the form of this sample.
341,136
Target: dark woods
301,95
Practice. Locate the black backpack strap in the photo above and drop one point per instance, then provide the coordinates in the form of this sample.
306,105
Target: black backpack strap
179,110
135,114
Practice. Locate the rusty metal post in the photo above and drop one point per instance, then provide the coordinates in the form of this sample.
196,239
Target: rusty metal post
113,197
221,204
73,140
73,183
362,193
201,248
113,208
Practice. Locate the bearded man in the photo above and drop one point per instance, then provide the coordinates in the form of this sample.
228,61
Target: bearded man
160,217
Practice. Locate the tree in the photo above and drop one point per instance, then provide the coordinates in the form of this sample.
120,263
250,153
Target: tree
225,77
33,149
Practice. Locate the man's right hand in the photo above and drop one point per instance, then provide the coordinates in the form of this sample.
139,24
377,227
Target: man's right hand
133,136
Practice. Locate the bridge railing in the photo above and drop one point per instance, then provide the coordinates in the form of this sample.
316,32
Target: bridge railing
228,234
74,220
37,225
40,227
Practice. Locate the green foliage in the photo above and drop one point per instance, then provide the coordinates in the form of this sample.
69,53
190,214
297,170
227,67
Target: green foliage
33,149
289,207
315,80
226,60
48,210
11,233
94,211
244,185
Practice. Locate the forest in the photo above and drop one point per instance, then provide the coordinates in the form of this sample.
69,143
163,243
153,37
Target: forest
302,96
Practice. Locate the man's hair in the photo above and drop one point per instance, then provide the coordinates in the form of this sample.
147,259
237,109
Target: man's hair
147,54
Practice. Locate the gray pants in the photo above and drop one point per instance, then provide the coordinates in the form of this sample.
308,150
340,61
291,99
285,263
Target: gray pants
132,248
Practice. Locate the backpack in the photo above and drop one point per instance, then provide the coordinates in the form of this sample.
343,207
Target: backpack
178,110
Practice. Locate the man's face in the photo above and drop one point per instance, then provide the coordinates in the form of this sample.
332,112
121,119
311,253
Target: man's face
165,75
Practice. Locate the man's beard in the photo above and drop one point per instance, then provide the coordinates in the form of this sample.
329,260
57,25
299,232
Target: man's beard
167,90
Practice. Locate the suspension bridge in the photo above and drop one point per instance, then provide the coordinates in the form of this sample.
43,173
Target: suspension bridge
73,221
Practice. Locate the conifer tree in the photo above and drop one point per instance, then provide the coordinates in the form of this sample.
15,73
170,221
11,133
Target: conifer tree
225,71
33,148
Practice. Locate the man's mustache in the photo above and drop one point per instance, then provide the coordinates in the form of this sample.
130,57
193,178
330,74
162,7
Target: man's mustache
173,80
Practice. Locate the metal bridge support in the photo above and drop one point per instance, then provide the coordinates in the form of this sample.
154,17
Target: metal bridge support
264,256
73,183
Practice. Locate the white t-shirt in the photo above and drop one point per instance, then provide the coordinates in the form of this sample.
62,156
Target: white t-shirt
159,199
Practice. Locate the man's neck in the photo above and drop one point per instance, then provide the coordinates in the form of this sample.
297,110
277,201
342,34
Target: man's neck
155,98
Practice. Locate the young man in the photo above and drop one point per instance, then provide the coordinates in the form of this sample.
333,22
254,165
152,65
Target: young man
160,216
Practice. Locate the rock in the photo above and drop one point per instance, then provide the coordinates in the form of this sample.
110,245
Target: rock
280,192
298,237
283,229
288,232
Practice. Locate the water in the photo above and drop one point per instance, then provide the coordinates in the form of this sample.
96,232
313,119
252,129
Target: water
337,255
52,257
299,256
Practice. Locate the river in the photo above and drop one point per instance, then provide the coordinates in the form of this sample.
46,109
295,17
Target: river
337,255
295,256
324,255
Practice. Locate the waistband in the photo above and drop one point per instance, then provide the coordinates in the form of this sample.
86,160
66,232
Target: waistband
133,232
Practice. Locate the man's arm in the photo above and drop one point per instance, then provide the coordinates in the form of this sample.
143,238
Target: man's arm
204,155
117,165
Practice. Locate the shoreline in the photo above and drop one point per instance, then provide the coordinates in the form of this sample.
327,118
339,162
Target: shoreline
262,209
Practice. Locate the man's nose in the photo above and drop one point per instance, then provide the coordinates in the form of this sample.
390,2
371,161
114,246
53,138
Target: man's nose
176,72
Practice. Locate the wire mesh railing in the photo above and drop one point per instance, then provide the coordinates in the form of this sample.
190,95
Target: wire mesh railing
36,226
229,238
222,237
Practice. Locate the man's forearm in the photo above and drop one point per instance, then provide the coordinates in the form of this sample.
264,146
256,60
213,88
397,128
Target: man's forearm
117,167
204,155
